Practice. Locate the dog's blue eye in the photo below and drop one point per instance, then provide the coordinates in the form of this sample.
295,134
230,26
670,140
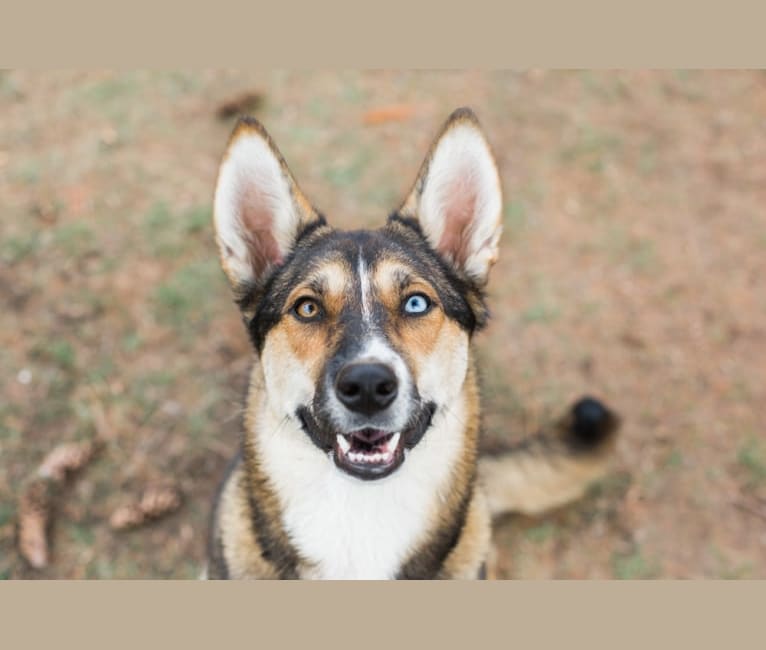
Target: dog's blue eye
417,304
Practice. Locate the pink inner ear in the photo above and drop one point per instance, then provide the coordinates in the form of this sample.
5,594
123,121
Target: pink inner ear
258,228
459,211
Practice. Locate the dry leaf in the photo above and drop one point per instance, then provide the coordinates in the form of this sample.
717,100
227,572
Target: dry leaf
243,103
392,113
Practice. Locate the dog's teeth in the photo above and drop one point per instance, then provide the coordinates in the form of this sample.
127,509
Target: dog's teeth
394,442
344,444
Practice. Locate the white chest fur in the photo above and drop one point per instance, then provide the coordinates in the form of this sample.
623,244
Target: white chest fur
353,529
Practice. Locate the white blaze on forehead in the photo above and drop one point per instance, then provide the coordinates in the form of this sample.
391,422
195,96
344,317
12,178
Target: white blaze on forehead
366,289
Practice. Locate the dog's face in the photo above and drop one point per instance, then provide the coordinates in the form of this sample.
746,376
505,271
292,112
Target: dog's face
362,335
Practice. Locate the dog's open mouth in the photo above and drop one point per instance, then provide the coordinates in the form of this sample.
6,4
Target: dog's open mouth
369,453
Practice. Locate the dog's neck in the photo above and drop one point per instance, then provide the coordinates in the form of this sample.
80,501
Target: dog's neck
324,523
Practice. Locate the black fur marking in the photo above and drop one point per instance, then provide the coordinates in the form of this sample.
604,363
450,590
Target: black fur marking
592,423
421,424
217,568
282,557
272,539
312,428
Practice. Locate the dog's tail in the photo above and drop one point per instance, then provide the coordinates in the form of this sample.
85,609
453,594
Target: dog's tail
554,466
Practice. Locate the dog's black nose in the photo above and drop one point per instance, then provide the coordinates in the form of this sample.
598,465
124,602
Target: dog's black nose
366,387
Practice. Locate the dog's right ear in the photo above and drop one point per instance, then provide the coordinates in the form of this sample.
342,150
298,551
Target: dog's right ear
259,211
457,199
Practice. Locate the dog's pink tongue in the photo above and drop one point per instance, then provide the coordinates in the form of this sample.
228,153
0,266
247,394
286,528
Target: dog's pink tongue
370,436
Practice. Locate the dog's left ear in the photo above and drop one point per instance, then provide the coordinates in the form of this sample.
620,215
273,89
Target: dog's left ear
457,198
259,210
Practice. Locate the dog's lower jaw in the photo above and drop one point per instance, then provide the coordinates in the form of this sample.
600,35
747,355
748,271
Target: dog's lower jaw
344,528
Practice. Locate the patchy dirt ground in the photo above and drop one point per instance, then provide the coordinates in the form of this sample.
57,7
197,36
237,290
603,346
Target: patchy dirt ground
632,267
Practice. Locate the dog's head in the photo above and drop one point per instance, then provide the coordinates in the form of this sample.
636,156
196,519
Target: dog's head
362,335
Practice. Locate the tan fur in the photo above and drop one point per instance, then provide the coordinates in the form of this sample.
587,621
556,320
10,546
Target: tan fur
472,551
541,475
240,547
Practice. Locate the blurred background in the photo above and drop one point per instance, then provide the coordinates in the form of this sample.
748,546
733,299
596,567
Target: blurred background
632,268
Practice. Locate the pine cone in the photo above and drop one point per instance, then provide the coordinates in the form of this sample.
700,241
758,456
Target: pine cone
34,513
160,501
155,502
66,458
128,516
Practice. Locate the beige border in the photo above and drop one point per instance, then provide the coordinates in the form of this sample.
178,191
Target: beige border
115,615
427,614
548,33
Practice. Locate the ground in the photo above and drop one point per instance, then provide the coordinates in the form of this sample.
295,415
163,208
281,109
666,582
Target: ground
632,268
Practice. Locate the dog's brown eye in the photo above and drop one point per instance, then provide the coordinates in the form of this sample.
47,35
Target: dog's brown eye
307,309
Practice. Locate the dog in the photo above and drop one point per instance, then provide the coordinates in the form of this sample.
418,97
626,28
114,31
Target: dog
359,458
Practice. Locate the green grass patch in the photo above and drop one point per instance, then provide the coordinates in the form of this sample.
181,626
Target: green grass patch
612,486
7,513
9,87
100,370
184,300
348,174
592,148
515,216
674,460
197,219
541,533
633,566
58,351
148,389
158,219
131,342
28,172
540,312
15,249
166,232
607,87
62,353
647,161
75,238
99,569
638,253
53,410
81,534
752,457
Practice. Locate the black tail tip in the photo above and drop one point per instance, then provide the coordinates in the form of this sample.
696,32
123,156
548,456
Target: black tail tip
592,422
